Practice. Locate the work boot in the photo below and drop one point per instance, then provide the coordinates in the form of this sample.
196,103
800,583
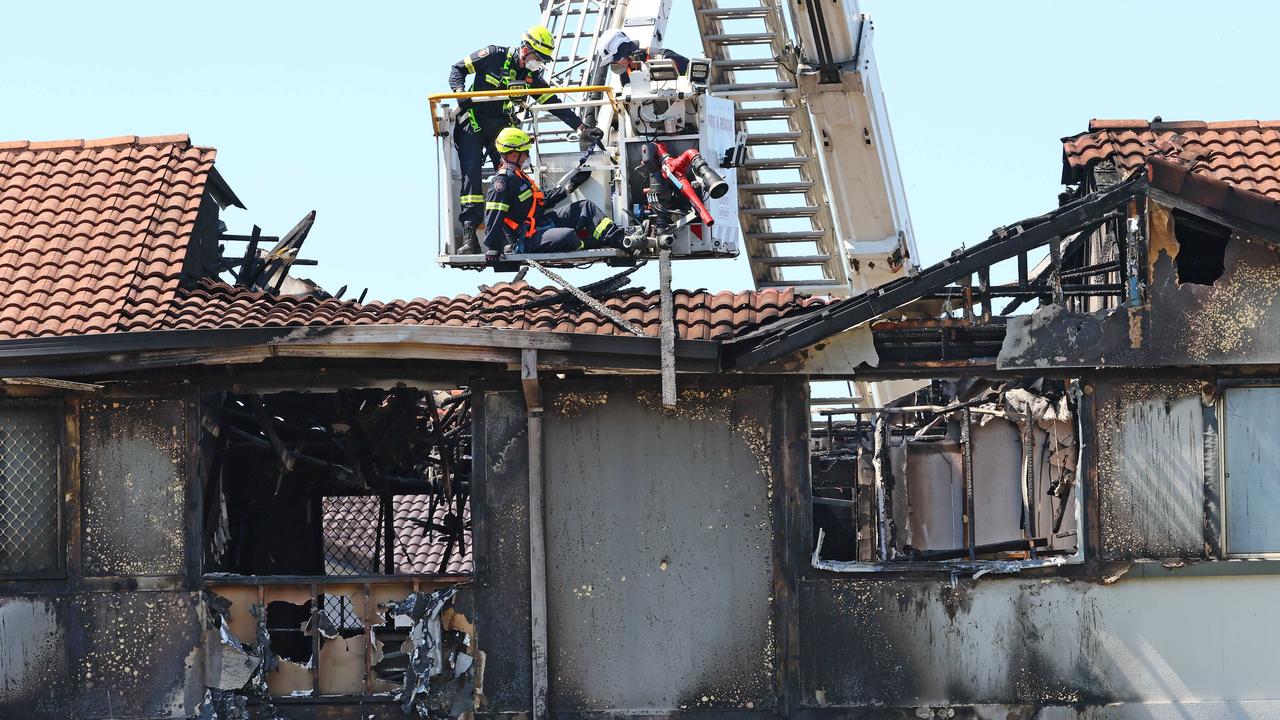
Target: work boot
469,246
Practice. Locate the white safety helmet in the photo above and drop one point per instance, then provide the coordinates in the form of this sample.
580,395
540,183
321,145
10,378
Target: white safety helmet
613,46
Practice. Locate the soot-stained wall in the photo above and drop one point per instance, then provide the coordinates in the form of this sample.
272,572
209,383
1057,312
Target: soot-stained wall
1151,469
1033,642
117,636
659,547
133,480
1236,320
662,544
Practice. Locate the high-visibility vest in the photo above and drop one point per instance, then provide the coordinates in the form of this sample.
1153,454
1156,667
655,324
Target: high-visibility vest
535,204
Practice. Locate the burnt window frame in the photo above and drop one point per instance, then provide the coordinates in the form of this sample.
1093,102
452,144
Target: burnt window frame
58,412
217,576
979,566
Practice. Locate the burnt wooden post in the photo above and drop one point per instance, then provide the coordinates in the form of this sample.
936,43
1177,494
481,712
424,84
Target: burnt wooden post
537,532
1029,480
966,444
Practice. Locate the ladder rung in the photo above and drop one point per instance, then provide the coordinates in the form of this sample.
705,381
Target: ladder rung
781,212
750,64
737,13
799,285
775,163
752,87
778,188
792,260
769,113
740,39
787,237
777,138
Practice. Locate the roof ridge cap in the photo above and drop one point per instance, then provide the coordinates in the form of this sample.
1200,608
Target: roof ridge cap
99,143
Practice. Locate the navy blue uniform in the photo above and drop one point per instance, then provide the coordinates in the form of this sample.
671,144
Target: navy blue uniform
518,213
682,64
495,68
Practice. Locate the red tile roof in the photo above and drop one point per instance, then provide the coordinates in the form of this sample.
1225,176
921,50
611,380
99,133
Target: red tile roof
1208,191
700,315
94,236
1244,153
351,536
93,233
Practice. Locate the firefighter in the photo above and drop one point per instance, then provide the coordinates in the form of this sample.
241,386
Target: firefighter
519,214
622,55
498,68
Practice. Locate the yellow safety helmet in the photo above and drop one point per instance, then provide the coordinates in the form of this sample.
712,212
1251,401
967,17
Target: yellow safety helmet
540,40
513,139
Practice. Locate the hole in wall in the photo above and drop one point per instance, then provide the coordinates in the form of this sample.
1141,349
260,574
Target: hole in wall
1202,248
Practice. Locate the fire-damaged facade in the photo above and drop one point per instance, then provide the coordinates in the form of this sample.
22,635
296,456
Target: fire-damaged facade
226,493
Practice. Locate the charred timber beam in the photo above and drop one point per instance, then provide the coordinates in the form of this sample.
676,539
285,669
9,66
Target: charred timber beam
1012,291
1091,270
1003,244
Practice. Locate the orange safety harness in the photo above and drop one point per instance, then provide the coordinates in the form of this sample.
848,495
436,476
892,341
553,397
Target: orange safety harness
534,204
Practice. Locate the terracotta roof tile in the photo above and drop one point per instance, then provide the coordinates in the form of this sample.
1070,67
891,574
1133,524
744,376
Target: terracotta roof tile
89,228
94,234
700,315
418,549
1244,153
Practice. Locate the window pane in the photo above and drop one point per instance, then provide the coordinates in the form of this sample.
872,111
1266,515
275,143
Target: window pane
28,491
1253,469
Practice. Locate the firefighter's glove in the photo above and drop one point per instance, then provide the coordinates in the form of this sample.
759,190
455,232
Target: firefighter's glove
464,104
575,180
592,134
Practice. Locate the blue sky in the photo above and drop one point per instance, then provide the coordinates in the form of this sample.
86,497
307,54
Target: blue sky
322,105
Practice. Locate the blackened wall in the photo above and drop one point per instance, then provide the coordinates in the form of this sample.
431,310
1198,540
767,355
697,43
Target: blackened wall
116,636
667,586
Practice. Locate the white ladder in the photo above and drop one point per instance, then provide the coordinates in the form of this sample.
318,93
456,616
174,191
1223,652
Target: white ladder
784,209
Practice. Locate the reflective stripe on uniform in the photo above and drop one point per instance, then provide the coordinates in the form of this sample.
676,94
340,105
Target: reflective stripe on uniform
468,199
492,79
528,193
496,206
601,227
471,68
542,99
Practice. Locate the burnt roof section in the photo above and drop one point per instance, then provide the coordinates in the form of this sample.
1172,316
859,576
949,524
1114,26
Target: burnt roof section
1187,182
699,314
95,237
94,233
788,336
1243,153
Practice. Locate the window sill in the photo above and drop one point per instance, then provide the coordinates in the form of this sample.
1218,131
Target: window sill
1204,568
973,568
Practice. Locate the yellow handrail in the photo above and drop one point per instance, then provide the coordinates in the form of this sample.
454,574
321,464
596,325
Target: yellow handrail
521,92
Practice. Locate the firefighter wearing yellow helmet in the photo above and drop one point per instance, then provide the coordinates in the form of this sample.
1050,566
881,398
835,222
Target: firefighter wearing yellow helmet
497,68
520,215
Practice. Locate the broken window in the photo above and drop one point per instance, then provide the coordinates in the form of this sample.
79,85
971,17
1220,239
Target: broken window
1251,452
1202,248
352,483
966,471
30,509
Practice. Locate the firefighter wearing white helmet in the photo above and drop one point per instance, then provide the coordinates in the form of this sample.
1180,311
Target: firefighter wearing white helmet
497,68
519,214
621,55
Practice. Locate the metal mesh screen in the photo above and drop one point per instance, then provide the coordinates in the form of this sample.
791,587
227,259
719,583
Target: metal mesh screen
340,613
352,539
28,490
